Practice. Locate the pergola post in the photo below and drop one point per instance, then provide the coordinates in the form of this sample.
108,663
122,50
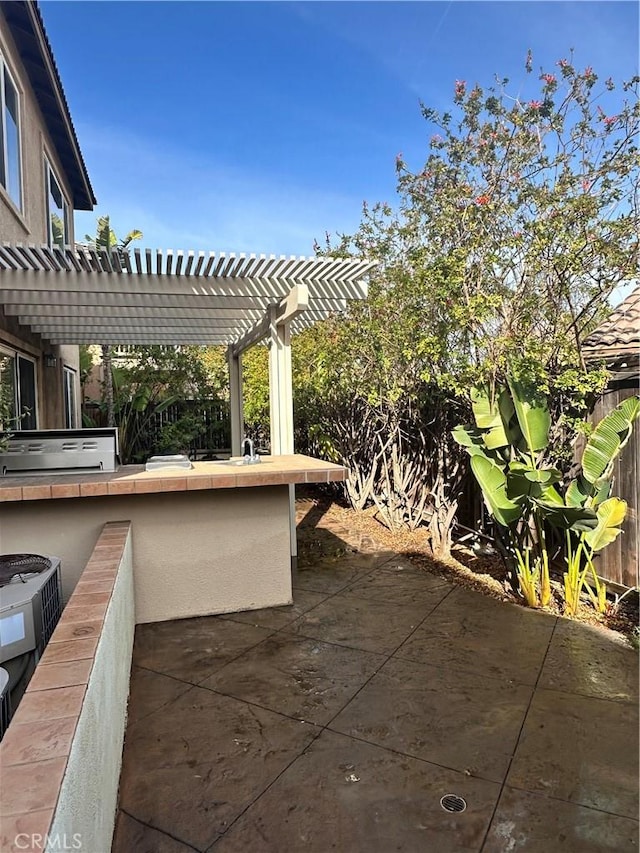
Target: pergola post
235,401
281,406
280,386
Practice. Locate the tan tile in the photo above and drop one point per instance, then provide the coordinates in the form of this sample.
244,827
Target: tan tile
90,490
65,490
17,831
83,613
144,487
295,477
194,483
104,560
10,493
224,481
102,563
272,478
337,476
87,585
75,630
106,551
36,493
117,529
50,704
175,484
101,574
65,674
26,743
121,487
66,650
82,598
31,787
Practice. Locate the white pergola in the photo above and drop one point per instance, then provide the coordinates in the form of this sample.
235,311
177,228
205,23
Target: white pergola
81,296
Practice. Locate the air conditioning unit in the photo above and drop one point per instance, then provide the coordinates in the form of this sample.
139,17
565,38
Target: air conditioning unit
30,606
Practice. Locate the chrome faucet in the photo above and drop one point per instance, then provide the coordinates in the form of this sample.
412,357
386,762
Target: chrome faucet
249,455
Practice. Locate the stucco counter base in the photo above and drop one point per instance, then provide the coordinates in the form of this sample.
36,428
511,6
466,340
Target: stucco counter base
196,551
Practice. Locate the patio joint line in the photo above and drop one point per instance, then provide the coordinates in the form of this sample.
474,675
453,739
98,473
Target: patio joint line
325,727
411,756
542,796
515,749
231,660
161,831
258,705
629,702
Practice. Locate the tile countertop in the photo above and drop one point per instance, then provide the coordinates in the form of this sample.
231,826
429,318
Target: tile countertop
133,479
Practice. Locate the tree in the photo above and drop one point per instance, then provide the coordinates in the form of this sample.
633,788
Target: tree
105,239
498,260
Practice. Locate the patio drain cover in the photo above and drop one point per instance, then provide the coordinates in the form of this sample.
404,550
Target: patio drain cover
453,803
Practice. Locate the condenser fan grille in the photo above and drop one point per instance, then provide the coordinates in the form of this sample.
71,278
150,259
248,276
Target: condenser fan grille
21,564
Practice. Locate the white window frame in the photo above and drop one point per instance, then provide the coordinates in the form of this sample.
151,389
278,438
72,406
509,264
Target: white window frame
50,172
4,68
70,397
17,354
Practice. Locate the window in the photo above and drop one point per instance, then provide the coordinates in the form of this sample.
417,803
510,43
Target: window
10,166
69,398
57,210
18,392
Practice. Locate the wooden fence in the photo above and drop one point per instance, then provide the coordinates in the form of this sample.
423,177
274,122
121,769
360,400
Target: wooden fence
619,562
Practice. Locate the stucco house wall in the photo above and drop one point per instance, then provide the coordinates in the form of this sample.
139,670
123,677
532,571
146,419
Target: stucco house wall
29,226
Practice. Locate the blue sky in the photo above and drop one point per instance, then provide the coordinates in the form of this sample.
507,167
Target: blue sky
258,127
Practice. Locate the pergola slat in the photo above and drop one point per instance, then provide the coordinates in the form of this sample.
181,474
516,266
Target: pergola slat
74,295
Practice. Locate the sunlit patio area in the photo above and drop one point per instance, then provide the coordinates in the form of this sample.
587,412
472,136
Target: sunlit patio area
341,722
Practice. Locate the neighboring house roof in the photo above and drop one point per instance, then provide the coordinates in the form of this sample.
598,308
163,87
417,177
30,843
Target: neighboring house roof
619,335
27,29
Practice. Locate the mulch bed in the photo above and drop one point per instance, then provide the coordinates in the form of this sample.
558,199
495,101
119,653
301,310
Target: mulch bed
486,574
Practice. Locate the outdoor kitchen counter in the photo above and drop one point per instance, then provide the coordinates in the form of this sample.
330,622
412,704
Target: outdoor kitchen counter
133,479
216,538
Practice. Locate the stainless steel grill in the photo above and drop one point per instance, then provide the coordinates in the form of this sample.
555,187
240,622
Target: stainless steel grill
59,451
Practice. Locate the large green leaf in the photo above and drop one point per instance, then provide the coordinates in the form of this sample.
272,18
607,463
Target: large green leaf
578,492
608,439
486,412
567,517
532,413
611,514
467,435
493,482
524,480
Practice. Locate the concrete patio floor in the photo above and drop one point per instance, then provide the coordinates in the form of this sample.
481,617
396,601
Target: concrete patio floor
339,723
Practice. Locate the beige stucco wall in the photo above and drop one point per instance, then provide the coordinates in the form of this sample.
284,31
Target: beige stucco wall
88,797
195,553
30,226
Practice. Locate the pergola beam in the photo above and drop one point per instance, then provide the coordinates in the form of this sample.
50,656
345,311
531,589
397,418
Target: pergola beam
296,301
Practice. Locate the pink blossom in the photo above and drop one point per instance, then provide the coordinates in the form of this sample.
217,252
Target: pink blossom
586,185
609,120
563,63
483,199
548,78
535,105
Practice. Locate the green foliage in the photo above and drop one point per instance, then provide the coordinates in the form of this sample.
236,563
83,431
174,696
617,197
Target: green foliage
178,437
521,490
497,261
150,381
607,440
